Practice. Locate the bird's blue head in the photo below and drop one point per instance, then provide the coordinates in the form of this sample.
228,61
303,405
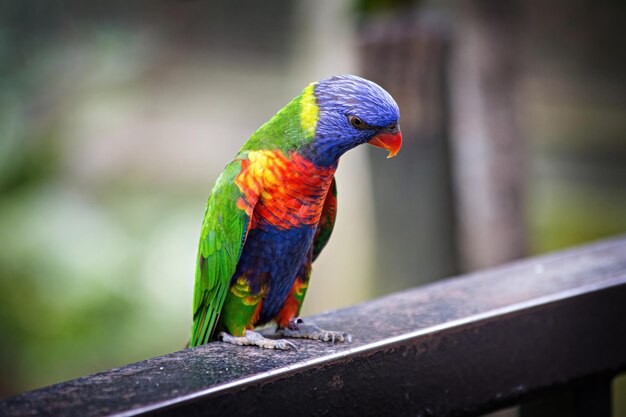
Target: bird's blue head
351,111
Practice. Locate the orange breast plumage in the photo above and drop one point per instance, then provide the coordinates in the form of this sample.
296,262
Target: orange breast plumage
282,191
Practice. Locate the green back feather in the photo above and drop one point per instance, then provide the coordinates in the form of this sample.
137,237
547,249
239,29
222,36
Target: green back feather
287,129
327,221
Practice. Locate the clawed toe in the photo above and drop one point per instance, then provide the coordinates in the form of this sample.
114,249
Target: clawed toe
255,339
283,344
329,336
298,328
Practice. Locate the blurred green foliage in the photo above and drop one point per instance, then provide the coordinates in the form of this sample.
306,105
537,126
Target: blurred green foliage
72,253
368,7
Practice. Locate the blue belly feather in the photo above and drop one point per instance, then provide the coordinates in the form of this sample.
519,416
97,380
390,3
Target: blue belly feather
271,257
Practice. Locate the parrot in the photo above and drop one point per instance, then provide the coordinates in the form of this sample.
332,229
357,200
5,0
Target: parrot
272,211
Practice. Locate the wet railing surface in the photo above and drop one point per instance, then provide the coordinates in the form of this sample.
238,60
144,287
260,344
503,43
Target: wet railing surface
461,346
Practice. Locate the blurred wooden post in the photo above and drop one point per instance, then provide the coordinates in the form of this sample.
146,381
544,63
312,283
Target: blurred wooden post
486,144
413,195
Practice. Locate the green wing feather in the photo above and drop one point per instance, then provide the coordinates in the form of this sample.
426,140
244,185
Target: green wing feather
327,220
221,241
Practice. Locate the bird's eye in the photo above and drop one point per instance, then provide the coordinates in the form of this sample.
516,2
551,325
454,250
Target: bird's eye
392,126
356,122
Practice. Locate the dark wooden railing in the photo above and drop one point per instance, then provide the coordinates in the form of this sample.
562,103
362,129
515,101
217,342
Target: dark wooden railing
514,334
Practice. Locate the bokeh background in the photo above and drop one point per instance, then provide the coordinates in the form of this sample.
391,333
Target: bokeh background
116,118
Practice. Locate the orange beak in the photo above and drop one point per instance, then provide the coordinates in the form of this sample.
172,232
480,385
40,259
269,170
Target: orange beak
392,141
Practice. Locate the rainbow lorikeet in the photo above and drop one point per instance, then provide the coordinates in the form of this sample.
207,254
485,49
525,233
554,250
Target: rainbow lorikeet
273,208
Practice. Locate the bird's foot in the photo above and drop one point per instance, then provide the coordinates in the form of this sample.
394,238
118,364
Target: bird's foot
298,328
256,339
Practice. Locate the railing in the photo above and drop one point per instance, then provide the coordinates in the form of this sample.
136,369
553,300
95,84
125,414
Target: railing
513,334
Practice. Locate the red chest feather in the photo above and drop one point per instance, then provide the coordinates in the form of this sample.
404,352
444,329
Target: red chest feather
281,191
